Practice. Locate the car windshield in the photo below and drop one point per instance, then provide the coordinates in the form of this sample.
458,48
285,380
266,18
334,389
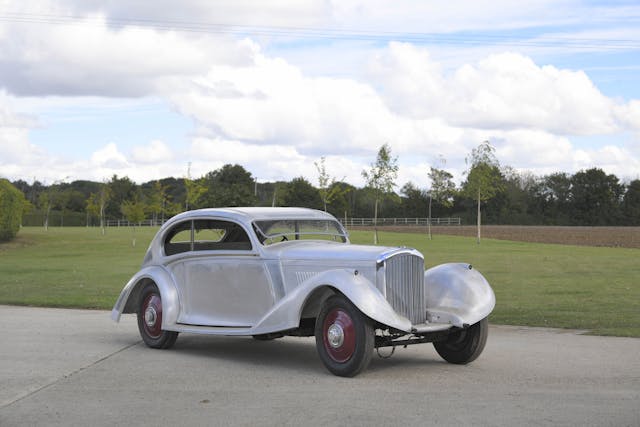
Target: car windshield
274,231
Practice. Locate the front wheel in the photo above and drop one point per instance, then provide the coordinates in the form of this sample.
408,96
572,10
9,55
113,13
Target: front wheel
344,337
464,346
150,319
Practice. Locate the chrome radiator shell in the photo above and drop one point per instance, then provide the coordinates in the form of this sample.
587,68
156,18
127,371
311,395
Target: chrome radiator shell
400,276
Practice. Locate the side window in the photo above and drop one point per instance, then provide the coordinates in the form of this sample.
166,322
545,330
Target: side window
178,239
211,235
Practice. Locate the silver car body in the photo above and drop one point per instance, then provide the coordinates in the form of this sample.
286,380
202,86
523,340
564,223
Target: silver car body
263,289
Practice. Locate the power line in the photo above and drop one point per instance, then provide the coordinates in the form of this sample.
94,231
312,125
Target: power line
325,33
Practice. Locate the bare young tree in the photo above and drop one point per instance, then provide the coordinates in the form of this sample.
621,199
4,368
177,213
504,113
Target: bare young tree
326,184
134,212
381,178
195,189
97,203
484,179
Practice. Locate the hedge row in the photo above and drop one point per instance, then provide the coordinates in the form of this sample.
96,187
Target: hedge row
11,207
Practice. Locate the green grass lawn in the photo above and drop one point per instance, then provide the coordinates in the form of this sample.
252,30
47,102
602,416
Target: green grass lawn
70,267
578,287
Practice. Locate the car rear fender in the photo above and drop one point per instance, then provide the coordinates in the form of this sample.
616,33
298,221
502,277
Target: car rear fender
286,314
457,294
129,297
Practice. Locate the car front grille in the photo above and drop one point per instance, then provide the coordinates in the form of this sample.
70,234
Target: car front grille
404,285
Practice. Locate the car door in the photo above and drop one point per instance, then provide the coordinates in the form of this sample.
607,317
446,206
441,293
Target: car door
221,280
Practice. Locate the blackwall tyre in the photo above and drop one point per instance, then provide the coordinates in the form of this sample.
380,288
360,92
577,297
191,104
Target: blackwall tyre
344,337
150,320
466,345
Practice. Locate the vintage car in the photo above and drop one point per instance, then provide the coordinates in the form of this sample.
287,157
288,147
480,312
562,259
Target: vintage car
271,272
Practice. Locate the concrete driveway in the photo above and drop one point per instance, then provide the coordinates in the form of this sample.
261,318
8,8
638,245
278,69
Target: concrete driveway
77,368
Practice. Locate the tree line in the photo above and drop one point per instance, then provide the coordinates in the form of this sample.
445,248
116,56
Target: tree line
498,194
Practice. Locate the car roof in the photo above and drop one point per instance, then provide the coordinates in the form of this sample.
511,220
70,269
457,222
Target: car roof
250,214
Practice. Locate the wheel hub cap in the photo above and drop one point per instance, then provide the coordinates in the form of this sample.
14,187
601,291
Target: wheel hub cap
339,335
150,316
335,335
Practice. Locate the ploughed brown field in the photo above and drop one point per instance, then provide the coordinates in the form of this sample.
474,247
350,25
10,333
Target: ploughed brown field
624,237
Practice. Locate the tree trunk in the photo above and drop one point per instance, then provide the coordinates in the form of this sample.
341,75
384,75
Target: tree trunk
102,218
429,220
46,218
479,216
375,223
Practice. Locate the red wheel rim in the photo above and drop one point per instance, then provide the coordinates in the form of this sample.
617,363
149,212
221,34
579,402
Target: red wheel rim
152,315
339,335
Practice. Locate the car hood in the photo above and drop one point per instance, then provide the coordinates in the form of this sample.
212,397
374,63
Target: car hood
324,250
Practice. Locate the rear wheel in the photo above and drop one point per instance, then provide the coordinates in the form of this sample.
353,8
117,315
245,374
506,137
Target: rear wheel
150,319
464,346
344,337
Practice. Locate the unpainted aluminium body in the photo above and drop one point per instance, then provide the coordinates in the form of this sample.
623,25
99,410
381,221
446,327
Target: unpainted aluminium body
269,272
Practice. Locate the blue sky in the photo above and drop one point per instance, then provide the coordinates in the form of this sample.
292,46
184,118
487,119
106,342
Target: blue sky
141,89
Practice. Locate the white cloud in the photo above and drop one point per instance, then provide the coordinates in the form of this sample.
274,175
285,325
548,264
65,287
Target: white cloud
509,90
266,163
629,114
504,91
154,152
612,159
272,103
276,118
88,57
412,83
16,151
530,112
109,156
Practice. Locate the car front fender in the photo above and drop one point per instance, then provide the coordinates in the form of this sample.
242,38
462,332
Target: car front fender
286,314
129,297
457,294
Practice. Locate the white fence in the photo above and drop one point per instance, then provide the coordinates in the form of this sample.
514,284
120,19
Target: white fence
355,222
348,222
125,223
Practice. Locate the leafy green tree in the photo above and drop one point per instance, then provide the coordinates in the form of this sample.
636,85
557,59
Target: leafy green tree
62,203
300,192
271,193
415,201
121,189
381,178
231,185
195,189
631,203
595,198
342,205
513,205
549,199
484,179
174,195
12,204
442,190
158,202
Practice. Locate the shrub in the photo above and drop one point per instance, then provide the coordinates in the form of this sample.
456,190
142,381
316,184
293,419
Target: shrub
12,204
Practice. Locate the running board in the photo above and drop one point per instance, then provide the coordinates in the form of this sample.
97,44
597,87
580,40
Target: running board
213,330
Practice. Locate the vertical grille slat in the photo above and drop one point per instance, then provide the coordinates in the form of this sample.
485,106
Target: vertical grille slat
404,278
